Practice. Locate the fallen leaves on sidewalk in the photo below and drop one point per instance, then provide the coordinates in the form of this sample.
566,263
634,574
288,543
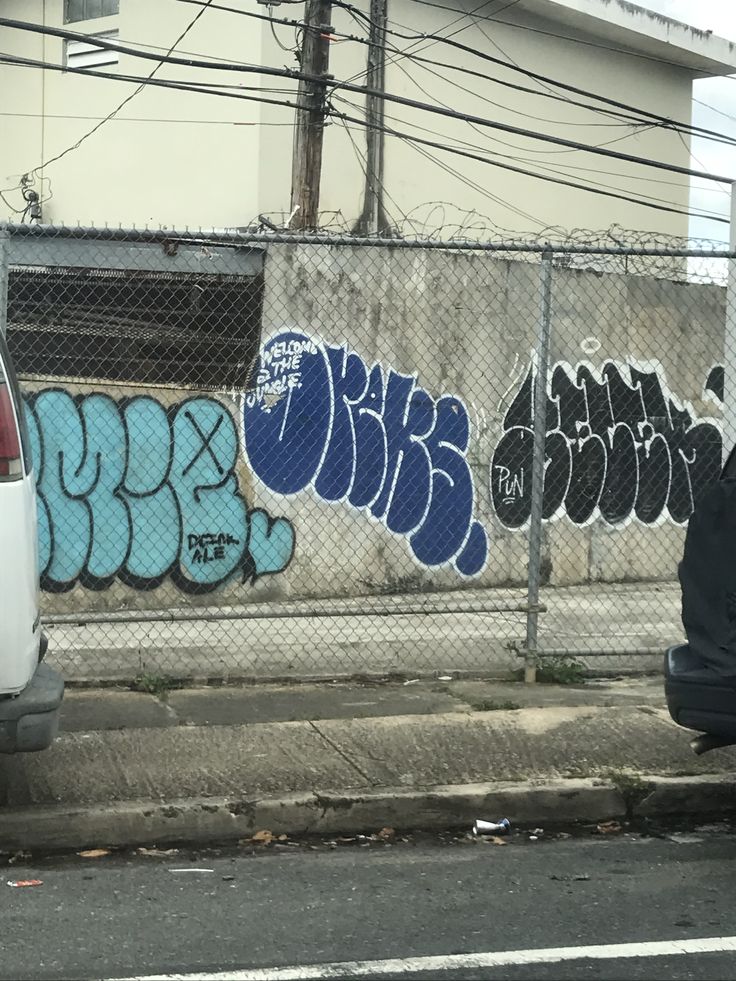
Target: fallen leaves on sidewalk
24,883
385,834
609,828
263,837
94,853
157,852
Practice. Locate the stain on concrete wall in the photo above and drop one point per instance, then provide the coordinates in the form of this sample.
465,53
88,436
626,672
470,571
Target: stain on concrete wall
371,438
132,490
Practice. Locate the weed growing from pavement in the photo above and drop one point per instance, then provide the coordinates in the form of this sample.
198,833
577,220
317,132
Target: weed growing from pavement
560,670
555,669
631,786
491,705
153,684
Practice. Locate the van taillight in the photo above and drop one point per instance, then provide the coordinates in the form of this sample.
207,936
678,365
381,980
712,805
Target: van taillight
10,465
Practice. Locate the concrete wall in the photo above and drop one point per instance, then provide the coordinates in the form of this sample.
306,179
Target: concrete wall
632,419
387,444
189,159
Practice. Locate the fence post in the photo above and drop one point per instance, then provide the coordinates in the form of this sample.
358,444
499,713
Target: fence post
538,454
4,273
729,345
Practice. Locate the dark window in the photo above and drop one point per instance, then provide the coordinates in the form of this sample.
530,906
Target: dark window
89,9
145,327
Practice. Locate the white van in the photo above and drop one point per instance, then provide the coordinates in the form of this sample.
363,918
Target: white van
30,691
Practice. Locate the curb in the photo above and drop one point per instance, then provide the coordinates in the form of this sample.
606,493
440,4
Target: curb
686,796
197,821
208,820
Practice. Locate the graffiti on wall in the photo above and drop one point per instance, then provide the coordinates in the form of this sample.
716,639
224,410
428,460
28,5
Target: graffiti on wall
370,437
619,445
136,491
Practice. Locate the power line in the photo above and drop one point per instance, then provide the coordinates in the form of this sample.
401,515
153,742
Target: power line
664,120
720,112
519,170
364,90
512,146
17,211
140,119
554,169
414,57
694,131
576,90
184,86
277,39
473,185
355,12
703,213
439,64
541,164
424,62
563,37
125,101
194,87
362,163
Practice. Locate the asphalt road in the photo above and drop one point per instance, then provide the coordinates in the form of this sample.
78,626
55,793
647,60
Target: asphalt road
124,916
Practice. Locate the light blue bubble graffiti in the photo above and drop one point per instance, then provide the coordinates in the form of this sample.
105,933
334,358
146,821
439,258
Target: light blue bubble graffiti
321,417
155,530
136,491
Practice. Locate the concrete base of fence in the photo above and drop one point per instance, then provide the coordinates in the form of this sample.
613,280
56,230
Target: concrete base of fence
610,627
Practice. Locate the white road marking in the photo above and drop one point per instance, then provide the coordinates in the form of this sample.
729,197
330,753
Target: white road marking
346,970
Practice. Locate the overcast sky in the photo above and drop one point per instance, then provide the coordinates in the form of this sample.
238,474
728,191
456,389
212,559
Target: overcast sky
718,16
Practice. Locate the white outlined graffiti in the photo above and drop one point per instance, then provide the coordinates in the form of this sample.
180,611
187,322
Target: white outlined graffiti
620,446
370,437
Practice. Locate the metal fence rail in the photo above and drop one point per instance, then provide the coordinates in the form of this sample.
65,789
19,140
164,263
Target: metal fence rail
294,455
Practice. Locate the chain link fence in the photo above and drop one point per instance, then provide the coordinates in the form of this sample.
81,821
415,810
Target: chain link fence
280,456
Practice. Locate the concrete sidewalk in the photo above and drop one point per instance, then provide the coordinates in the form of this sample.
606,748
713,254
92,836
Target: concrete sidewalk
212,764
611,627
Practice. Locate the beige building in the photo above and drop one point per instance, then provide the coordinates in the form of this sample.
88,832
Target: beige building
181,158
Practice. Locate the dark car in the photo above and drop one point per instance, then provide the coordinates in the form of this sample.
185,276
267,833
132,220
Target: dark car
700,676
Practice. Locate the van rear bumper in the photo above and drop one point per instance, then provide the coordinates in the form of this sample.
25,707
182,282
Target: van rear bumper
30,721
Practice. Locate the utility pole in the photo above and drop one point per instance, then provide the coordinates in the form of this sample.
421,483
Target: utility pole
373,219
306,168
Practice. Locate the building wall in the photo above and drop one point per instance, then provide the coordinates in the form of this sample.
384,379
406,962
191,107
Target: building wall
513,200
188,159
171,158
387,444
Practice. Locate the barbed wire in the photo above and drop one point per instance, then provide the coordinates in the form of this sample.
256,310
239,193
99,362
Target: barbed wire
430,222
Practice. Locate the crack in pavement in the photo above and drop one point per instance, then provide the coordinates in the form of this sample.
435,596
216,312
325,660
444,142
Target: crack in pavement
348,760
